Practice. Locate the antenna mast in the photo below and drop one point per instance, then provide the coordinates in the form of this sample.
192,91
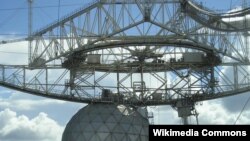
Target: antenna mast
30,27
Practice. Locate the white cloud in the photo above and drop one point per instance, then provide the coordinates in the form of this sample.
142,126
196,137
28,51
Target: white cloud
24,102
244,119
213,112
20,128
14,53
30,105
210,112
164,115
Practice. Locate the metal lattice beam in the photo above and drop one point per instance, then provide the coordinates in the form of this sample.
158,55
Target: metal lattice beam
138,52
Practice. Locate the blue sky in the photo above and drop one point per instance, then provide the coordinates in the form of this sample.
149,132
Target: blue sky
26,110
13,13
14,17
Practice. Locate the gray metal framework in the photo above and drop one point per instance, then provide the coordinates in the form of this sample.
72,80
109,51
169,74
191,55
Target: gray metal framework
134,52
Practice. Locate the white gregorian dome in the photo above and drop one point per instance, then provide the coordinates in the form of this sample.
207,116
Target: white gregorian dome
107,122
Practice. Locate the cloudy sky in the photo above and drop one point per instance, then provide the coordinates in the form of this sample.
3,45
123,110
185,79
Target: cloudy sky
24,117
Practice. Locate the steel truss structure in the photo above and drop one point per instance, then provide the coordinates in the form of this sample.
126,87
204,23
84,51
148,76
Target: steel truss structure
138,52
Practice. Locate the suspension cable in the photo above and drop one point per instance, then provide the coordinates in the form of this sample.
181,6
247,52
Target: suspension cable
243,108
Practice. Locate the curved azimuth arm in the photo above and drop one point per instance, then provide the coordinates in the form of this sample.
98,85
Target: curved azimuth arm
102,22
193,85
227,22
139,52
